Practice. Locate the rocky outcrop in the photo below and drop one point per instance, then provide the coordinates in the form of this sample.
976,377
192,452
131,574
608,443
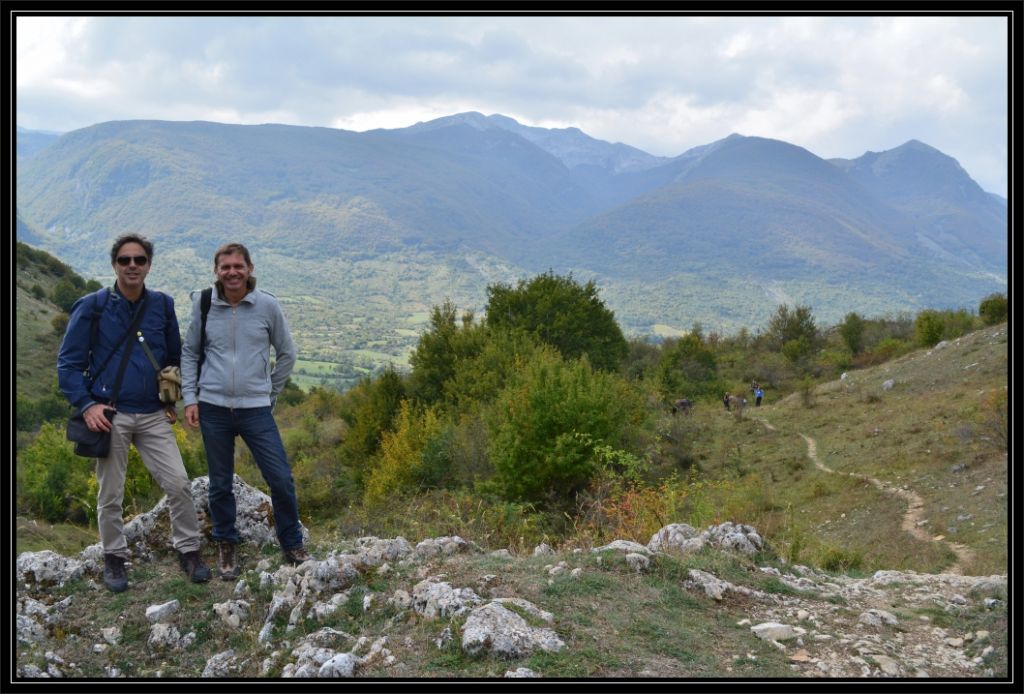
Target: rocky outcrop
731,537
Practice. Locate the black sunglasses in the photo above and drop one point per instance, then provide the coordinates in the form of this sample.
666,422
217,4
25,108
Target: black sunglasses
140,260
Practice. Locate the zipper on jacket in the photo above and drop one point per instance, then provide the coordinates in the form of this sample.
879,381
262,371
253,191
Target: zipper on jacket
234,354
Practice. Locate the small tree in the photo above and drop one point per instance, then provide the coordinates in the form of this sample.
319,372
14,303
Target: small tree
439,349
852,332
993,309
928,328
793,333
65,294
687,367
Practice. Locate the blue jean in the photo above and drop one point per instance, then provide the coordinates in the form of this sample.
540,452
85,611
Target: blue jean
256,426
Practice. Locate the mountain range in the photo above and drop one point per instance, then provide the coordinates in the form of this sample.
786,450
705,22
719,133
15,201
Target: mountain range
363,232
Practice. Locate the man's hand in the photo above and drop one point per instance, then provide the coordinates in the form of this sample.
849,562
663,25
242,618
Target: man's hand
171,414
96,420
192,415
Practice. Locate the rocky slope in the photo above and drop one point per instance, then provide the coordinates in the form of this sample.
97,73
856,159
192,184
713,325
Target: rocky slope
690,603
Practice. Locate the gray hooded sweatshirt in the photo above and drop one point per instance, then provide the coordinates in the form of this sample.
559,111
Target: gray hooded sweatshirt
237,371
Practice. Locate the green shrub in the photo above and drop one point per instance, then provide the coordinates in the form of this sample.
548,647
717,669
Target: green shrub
562,313
687,368
60,323
932,325
54,484
480,376
883,351
368,410
66,293
537,449
993,309
928,327
440,349
852,332
833,361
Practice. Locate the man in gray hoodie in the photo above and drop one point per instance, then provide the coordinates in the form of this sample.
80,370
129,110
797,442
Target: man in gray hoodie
229,390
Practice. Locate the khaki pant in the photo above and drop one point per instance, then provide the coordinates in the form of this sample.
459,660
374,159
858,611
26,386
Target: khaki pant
154,439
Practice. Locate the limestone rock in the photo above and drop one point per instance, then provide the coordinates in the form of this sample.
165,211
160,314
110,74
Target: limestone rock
438,599
503,633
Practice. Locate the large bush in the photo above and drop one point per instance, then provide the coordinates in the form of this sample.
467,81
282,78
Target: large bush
562,313
547,422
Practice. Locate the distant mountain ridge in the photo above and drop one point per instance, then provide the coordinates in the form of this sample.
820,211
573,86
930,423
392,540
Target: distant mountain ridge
571,146
953,212
408,217
31,141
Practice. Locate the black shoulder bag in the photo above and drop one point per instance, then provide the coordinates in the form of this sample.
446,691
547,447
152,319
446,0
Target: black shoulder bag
96,444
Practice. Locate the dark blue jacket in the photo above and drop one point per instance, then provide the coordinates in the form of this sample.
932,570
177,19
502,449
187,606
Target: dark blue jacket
139,393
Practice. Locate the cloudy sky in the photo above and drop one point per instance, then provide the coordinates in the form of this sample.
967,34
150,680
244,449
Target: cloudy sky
838,86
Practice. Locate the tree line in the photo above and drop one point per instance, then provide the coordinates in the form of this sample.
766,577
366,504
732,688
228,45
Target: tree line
535,406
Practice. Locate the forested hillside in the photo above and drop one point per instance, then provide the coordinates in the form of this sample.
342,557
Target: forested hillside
45,290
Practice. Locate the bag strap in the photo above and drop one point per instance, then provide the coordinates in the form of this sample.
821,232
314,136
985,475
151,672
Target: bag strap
128,348
145,347
148,351
97,314
205,299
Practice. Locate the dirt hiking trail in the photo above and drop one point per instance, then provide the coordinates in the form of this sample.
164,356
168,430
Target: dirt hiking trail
915,505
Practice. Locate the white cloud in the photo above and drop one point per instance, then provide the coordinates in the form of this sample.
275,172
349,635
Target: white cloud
664,84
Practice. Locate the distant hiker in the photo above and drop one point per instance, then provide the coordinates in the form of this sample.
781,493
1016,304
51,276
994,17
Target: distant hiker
686,406
725,401
754,387
758,394
736,404
230,390
116,388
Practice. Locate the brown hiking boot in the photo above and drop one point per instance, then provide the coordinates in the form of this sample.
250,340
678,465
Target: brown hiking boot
297,555
114,576
226,562
192,564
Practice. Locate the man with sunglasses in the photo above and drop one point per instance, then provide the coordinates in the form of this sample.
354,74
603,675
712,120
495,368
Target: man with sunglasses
230,389
92,365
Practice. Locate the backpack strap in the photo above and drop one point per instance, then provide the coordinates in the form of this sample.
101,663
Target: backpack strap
205,299
100,297
98,304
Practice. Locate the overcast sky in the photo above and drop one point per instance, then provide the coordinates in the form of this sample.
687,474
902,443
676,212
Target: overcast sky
838,86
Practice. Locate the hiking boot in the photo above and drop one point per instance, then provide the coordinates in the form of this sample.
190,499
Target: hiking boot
297,555
114,576
192,564
226,563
